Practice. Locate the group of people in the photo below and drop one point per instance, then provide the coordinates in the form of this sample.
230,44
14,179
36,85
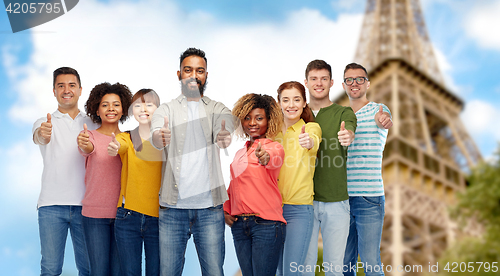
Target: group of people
306,167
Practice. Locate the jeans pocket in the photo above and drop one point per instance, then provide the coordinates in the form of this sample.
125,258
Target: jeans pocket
373,200
122,213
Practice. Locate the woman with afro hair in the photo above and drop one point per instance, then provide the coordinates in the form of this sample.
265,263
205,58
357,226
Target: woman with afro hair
107,106
253,210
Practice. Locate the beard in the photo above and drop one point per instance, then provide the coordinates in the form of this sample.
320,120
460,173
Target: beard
192,93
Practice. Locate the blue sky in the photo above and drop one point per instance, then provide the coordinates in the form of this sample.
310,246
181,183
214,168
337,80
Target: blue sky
252,46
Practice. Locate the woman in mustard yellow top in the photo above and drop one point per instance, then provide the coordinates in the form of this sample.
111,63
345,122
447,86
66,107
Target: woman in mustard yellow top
300,138
137,215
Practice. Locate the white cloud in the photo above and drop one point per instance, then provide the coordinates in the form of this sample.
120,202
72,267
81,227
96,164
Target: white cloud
482,24
480,118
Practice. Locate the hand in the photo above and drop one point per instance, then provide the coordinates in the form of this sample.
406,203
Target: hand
162,137
262,155
113,146
224,136
83,139
45,130
345,136
229,219
382,119
304,140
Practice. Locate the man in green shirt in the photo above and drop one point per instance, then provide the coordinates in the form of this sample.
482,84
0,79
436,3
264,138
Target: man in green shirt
331,200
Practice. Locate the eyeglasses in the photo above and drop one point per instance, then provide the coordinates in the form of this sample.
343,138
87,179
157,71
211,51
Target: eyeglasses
359,80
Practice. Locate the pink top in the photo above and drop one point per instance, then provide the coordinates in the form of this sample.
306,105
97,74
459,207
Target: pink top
102,179
254,187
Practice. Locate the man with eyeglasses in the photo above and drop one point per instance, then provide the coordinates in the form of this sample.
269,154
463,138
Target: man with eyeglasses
331,200
364,174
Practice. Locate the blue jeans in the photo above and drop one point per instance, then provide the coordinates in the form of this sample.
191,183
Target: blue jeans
300,219
101,246
367,221
333,219
207,228
132,229
258,243
53,223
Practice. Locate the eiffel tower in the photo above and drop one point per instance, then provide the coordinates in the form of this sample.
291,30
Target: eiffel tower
428,149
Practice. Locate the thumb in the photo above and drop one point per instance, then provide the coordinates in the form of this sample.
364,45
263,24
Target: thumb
381,110
223,125
113,137
166,122
49,117
303,129
342,126
259,147
85,128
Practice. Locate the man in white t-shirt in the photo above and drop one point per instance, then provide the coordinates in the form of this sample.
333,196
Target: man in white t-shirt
364,175
59,205
192,128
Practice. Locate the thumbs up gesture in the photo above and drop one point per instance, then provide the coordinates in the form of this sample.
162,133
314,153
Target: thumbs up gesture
45,130
83,140
345,136
113,146
262,155
304,140
224,136
383,119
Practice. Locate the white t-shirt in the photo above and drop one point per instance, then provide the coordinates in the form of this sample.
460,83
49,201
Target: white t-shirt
63,166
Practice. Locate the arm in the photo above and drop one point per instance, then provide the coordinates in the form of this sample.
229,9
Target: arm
270,155
84,143
347,127
223,125
383,118
160,134
43,134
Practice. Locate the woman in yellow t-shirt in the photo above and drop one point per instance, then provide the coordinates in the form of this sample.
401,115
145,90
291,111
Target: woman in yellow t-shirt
300,138
136,221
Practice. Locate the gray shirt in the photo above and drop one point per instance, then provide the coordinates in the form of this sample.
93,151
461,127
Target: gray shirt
211,114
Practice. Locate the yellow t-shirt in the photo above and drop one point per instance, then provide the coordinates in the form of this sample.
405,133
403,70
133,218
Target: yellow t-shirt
295,180
140,177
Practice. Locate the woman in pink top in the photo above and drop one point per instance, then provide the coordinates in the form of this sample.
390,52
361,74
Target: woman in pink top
254,210
107,106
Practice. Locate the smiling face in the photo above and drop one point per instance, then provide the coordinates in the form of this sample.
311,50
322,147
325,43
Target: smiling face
318,83
355,90
292,104
193,76
110,109
67,90
255,124
143,111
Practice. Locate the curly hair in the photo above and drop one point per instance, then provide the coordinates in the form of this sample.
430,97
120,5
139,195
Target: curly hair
95,97
306,115
251,101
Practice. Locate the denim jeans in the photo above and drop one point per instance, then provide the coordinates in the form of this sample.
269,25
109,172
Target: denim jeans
300,219
206,226
101,246
365,233
53,223
258,243
333,219
132,230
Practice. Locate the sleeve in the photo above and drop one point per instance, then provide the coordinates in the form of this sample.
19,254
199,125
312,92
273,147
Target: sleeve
37,124
91,140
314,131
227,203
276,154
349,118
385,109
122,139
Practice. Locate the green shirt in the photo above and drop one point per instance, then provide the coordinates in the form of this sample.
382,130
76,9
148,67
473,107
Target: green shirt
330,177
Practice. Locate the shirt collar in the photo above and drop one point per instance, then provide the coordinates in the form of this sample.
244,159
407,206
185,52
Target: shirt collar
59,114
297,127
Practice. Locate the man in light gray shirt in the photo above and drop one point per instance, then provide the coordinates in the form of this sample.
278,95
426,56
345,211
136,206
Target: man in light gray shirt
191,129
